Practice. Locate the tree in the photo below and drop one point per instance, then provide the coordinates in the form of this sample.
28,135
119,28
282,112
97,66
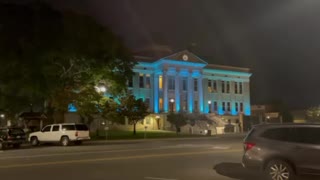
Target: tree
110,111
313,113
177,119
48,57
135,110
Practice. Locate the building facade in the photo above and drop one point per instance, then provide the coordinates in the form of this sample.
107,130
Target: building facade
183,82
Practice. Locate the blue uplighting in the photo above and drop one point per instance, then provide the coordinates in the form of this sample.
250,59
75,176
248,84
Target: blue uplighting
72,108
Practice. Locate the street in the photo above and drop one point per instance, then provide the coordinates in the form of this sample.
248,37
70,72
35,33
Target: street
171,159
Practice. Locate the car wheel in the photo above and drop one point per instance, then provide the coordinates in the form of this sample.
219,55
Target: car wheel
64,141
34,141
279,170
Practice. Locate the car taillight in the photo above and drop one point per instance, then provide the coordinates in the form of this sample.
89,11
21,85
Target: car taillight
76,133
248,146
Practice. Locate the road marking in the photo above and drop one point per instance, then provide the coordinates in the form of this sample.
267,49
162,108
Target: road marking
221,147
156,178
88,152
116,158
106,151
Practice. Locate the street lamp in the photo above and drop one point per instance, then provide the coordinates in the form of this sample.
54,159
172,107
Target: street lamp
209,104
171,102
158,121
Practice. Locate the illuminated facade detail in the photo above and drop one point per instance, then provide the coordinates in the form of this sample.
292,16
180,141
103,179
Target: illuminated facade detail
192,83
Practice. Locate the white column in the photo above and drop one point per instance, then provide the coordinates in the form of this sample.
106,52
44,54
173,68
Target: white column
200,91
190,93
156,93
165,92
177,92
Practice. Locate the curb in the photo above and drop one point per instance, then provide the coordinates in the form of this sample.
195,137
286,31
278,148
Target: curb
166,139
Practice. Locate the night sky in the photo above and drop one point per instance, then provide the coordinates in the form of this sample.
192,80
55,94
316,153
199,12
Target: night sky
278,40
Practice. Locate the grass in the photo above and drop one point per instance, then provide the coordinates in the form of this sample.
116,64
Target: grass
118,135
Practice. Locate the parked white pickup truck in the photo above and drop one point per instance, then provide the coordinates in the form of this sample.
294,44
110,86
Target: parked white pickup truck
64,133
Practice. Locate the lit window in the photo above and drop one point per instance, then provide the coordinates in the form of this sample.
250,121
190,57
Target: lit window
160,82
161,104
209,86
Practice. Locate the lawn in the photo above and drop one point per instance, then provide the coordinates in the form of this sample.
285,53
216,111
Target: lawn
117,135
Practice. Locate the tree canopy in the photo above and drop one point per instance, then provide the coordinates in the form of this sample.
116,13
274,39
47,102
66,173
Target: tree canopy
48,56
135,110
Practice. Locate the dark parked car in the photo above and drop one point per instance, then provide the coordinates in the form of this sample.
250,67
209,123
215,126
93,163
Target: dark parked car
283,151
11,137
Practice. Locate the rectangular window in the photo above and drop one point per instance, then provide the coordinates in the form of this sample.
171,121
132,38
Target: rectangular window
147,101
184,84
210,86
240,88
160,81
184,105
241,107
228,107
148,84
223,106
161,104
228,87
236,87
55,128
195,82
237,107
214,85
130,82
215,106
141,81
222,87
171,82
195,106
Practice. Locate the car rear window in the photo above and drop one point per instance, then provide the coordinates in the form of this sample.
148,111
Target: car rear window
68,127
16,131
81,127
280,134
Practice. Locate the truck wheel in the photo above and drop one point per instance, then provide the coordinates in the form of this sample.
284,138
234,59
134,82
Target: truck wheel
34,141
64,141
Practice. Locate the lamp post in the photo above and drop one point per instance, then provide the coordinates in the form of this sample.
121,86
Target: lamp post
171,102
158,121
2,116
209,106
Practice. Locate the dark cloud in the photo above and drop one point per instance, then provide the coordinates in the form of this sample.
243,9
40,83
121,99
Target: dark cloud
278,40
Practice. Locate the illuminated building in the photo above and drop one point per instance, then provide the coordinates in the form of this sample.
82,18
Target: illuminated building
185,82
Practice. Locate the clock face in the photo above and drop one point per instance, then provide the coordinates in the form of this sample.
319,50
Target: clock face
185,57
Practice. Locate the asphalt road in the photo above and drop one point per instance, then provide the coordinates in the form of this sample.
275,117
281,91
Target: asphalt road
216,158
